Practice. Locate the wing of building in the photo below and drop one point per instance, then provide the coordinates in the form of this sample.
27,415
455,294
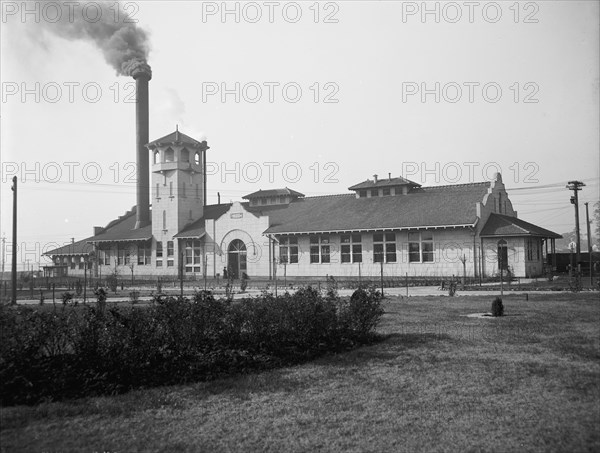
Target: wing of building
390,225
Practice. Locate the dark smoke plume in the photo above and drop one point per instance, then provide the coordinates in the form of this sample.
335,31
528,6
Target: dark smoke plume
124,45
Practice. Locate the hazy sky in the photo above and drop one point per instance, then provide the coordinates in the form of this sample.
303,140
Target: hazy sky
320,97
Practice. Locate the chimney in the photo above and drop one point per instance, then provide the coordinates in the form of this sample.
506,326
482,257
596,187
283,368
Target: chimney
390,176
142,75
375,179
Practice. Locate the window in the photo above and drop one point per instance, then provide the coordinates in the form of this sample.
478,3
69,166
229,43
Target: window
185,155
158,191
288,250
81,262
362,193
197,158
164,220
159,254
193,256
351,248
72,262
420,247
105,257
170,254
143,254
263,201
169,155
374,192
319,249
386,191
384,247
122,255
156,157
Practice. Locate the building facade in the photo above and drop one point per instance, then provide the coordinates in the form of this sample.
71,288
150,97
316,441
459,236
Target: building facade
390,226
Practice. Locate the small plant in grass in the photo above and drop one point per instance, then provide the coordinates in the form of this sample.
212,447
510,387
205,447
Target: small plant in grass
101,298
497,307
134,297
575,281
244,282
67,297
452,288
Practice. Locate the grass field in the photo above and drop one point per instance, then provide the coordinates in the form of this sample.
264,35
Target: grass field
529,381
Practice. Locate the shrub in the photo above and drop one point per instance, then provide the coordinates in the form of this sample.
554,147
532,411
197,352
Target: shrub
497,307
575,285
362,312
134,297
74,352
67,297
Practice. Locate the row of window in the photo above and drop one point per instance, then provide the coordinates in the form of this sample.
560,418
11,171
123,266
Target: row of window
279,199
386,191
170,156
144,255
420,248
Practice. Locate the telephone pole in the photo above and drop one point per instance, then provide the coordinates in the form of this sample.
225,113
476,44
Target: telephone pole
587,222
14,244
576,186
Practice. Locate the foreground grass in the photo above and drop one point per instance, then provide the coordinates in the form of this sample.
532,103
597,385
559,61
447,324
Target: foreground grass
440,382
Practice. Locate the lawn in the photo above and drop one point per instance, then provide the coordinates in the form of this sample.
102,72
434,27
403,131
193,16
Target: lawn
529,381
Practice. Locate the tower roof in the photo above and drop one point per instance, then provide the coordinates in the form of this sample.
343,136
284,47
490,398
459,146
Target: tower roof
177,138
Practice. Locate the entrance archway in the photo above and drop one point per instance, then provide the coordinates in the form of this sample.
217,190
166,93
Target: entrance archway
236,258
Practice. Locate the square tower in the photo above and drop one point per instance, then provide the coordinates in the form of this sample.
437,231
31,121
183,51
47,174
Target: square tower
178,188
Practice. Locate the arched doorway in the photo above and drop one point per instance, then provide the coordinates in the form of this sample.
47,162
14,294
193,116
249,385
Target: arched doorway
236,258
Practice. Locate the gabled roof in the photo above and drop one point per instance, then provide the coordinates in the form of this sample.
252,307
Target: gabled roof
441,206
503,225
273,192
177,138
386,182
122,229
76,248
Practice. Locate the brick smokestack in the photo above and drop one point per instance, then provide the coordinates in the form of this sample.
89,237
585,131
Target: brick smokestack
142,75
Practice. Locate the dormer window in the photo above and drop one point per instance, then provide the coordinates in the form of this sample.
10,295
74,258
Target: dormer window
169,155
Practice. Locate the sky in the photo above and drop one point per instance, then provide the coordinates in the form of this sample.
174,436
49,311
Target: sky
315,96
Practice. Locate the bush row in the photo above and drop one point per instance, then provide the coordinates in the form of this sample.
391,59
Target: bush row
82,351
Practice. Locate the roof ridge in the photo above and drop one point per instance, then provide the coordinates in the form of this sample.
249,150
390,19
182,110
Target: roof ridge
471,184
332,195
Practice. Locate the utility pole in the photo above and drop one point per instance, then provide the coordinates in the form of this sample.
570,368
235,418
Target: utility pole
14,244
589,237
3,257
576,186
